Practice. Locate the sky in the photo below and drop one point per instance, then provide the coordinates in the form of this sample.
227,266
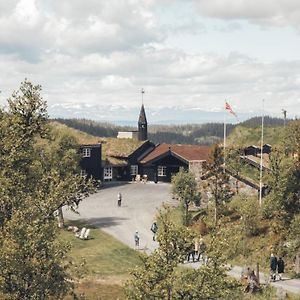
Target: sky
93,57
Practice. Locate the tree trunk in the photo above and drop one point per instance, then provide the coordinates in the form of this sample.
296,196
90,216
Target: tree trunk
60,218
186,214
237,186
297,263
257,273
216,214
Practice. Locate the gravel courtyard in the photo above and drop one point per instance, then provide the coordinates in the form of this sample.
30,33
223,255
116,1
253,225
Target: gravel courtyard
139,206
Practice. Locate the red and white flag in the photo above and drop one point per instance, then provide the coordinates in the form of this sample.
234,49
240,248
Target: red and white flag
228,107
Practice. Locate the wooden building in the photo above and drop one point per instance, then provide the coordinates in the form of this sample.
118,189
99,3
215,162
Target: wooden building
120,160
166,159
90,162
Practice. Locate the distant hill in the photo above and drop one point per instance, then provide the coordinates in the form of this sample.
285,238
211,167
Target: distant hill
268,122
201,134
243,136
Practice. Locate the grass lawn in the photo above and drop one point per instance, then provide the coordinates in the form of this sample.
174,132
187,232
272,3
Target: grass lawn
103,264
102,254
99,291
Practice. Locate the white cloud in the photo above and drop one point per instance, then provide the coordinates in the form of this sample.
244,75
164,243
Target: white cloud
267,12
95,53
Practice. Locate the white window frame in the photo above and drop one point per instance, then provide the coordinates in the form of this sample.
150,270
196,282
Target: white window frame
86,152
134,169
107,173
83,173
162,171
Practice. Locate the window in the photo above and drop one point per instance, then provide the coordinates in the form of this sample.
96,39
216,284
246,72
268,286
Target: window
107,173
83,173
162,171
86,152
134,169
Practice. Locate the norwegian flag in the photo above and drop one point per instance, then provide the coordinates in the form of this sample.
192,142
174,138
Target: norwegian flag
228,107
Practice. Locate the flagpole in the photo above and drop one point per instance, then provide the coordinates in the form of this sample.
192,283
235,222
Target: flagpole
261,154
224,144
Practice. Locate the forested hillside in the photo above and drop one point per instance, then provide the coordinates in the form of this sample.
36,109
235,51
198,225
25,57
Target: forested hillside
202,134
243,136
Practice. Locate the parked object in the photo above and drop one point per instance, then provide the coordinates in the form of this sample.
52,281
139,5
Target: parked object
86,235
81,233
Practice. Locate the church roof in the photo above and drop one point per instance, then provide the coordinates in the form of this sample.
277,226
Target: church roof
142,117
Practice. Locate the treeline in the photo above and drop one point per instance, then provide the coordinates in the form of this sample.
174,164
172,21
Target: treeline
268,122
90,127
201,134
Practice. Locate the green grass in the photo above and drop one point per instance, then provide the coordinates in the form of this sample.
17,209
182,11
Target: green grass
94,290
102,255
243,136
250,172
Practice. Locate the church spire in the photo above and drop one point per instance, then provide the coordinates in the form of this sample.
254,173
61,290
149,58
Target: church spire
142,117
142,123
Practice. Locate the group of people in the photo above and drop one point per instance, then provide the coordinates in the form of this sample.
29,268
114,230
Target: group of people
276,267
196,250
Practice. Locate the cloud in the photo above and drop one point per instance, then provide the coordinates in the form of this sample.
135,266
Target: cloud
32,28
170,78
266,12
88,54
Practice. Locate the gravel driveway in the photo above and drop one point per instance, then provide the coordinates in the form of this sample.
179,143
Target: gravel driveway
139,207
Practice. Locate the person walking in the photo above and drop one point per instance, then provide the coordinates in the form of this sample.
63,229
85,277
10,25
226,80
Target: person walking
273,266
280,267
154,229
201,251
137,239
119,199
191,251
196,248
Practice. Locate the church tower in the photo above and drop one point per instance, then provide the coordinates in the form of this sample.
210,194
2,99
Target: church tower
142,125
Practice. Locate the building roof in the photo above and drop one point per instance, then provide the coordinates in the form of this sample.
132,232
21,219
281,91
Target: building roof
186,152
142,117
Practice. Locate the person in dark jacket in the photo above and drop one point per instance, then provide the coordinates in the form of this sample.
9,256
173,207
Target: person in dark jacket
154,229
280,267
273,266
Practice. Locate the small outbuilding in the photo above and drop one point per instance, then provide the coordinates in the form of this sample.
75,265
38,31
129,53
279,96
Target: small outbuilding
252,150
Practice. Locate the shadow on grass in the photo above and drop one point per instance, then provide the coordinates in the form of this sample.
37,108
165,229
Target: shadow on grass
96,222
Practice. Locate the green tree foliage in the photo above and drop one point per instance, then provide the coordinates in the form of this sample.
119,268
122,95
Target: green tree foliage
292,139
283,200
36,178
282,204
248,210
184,186
218,180
160,277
